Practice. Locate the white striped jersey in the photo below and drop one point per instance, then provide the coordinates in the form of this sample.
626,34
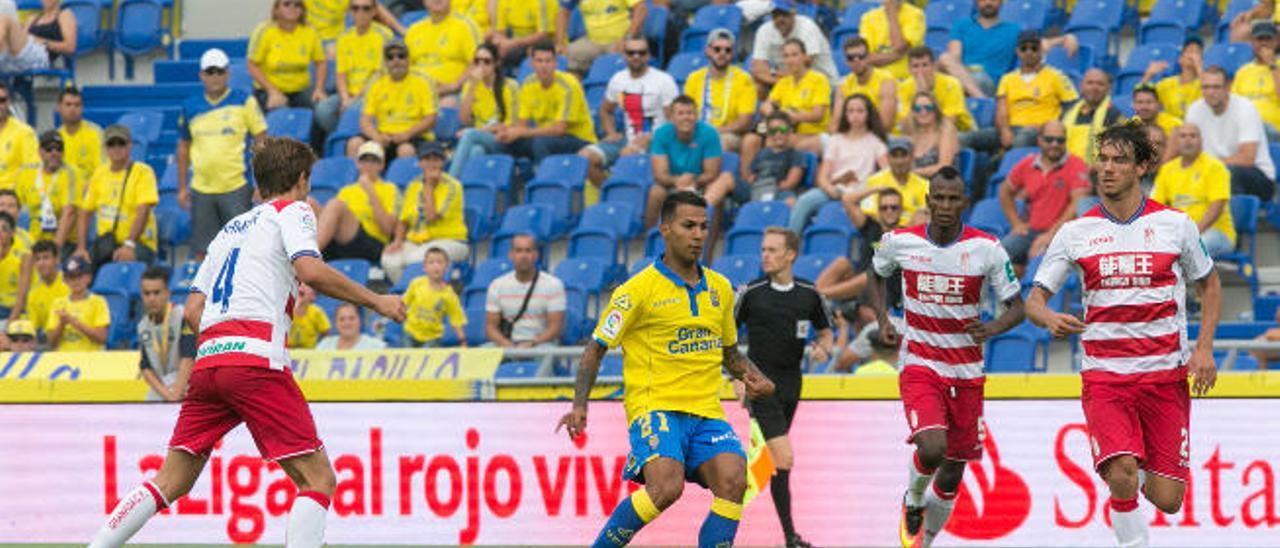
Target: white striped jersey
1134,277
941,293
250,285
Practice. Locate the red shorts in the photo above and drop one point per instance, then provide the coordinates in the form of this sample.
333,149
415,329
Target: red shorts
931,402
268,401
1152,422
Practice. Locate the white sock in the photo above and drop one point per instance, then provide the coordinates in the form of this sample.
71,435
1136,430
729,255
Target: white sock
937,510
918,480
306,520
129,515
1129,523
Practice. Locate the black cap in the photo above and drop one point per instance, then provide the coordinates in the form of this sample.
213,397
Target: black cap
1262,29
51,136
431,148
1029,35
394,43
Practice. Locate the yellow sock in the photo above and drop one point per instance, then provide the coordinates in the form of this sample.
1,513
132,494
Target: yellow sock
726,509
644,506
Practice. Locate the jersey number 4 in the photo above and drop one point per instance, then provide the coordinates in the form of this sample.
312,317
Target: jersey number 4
222,287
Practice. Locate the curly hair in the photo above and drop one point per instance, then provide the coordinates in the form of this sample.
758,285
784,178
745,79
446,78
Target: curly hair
1131,137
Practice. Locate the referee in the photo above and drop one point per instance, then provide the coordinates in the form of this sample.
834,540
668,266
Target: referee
780,313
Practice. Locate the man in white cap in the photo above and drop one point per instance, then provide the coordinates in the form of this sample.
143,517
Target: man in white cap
213,126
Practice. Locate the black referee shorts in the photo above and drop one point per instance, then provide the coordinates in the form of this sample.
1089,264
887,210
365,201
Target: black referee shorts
774,414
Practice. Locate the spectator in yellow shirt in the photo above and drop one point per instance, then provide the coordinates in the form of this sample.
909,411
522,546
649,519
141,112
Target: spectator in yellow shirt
358,55
82,139
329,18
79,321
935,144
481,13
1177,92
399,110
1086,119
1146,108
309,320
428,301
891,30
121,197
283,53
21,336
360,220
11,259
804,95
944,88
607,22
431,217
864,78
726,94
1030,96
899,177
520,25
489,103
50,193
1256,81
554,117
46,286
440,48
1199,185
18,142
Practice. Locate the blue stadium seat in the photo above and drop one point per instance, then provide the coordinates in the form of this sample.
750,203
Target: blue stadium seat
333,173
655,29
173,225
448,123
639,265
1162,32
489,270
1234,8
410,17
235,48
753,218
1265,306
348,127
1244,214
494,169
1029,14
636,167
557,195
942,15
518,370
1108,14
967,162
123,329
827,240
1228,55
527,218
139,30
707,19
852,16
576,323
1123,103
1011,352
987,215
168,72
90,36
936,39
1139,59
180,281
614,217
567,168
588,273
323,195
483,199
403,171
356,269
475,325
603,68
685,63
808,267
603,246
810,170
1010,159
983,110
611,366
1082,61
839,35
119,278
620,191
739,269
290,122
1188,13
832,214
144,124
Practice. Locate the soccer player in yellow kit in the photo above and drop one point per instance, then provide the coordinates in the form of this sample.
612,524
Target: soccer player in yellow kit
675,323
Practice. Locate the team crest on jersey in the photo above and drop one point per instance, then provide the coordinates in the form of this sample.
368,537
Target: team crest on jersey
622,302
715,298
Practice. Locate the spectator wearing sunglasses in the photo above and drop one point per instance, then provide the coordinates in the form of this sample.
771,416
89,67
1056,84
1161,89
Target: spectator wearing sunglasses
1030,96
358,56
864,78
489,103
399,111
212,131
1256,80
946,90
283,54
726,94
49,193
1052,182
933,134
329,18
18,143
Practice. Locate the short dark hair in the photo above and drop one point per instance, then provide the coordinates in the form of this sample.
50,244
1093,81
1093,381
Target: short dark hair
947,174
278,164
1131,136
542,45
684,100
44,246
1146,88
10,192
437,251
5,217
890,191
855,41
679,198
778,115
797,42
789,237
921,51
156,272
1218,69
69,90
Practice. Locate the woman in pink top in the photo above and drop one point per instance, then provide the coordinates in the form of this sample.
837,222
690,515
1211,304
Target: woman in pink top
848,159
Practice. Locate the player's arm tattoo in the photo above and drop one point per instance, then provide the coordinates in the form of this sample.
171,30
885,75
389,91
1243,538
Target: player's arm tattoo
737,364
587,370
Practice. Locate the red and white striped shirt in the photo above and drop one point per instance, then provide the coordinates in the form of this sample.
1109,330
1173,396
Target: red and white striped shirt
941,293
1134,276
250,286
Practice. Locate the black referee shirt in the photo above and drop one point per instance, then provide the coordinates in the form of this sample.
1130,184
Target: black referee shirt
779,322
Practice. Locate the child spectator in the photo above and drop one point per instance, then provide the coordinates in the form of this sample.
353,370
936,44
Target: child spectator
21,336
777,170
309,321
78,322
47,285
428,300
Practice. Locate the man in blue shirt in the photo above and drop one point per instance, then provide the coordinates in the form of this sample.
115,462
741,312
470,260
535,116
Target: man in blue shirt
981,49
686,155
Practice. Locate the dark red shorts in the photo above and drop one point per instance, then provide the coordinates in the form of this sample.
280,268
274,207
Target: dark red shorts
268,401
931,402
1151,422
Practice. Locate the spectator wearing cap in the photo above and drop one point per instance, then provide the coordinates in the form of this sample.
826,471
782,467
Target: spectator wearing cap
726,94
1232,131
50,192
945,89
489,102
1200,186
284,54
167,344
1177,92
553,114
899,176
45,286
431,216
607,22
441,46
360,220
18,143
864,78
82,139
1030,96
120,197
358,59
1256,80
1242,23
1052,182
767,63
685,155
981,49
21,335
1093,113
399,111
212,131
644,95
79,321
891,30
934,137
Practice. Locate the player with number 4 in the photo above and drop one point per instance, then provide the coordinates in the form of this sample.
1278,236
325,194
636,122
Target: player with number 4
250,279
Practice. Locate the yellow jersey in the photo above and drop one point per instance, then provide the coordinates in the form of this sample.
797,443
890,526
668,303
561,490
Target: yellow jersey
477,11
812,90
91,311
1257,83
307,329
44,194
606,21
82,150
447,195
216,131
328,17
484,108
41,296
850,85
427,307
1192,188
398,106
563,100
874,27
672,337
359,56
19,150
10,268
722,100
361,207
521,18
104,193
286,57
913,194
442,50
1176,97
949,95
1034,102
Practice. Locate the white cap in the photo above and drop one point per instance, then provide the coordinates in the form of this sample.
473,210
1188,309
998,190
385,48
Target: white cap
214,58
370,148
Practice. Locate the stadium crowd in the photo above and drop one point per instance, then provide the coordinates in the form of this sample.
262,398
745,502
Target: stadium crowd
517,123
